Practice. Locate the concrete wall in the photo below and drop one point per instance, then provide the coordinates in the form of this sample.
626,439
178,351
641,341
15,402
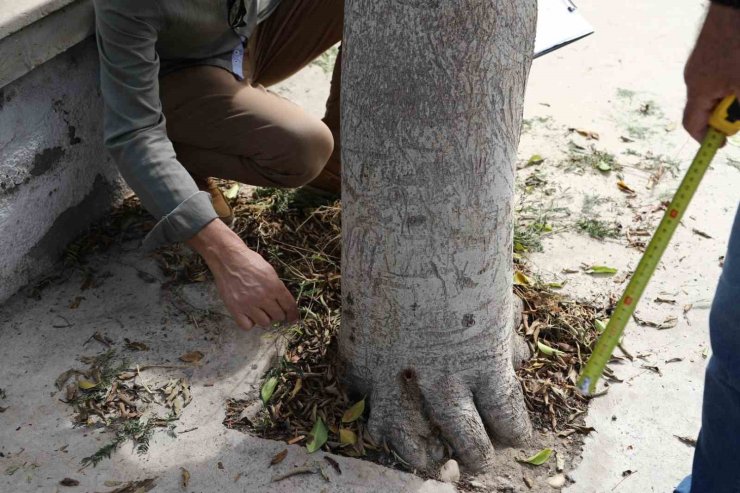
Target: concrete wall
55,176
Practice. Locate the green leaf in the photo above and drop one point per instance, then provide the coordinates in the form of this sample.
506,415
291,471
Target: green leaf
521,280
319,435
547,350
604,166
597,270
535,160
268,388
347,436
86,384
539,458
354,412
232,192
601,324
555,285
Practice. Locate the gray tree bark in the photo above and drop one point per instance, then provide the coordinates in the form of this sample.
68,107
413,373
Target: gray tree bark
431,113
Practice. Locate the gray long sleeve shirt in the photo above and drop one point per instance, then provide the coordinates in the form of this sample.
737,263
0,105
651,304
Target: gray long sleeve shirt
138,41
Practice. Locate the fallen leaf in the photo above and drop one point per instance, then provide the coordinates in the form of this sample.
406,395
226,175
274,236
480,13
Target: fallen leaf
62,379
354,412
135,346
137,486
319,435
297,388
69,482
539,458
604,166
333,464
673,360
668,323
86,384
601,324
185,478
233,191
279,457
601,270
691,442
347,436
75,305
547,350
268,388
535,160
701,233
521,280
192,357
528,482
625,188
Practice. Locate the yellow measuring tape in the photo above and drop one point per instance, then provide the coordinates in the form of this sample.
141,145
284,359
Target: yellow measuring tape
724,122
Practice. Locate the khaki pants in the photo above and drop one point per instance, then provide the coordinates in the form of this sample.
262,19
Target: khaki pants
226,128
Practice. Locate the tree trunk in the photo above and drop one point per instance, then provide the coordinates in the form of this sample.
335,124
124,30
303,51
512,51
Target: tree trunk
431,114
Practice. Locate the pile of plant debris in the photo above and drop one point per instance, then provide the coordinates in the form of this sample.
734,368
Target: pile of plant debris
303,401
112,395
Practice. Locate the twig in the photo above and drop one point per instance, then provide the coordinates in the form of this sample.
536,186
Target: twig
143,383
295,472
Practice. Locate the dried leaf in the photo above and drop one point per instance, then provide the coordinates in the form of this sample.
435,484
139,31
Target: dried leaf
333,464
625,188
319,435
62,379
701,233
347,436
76,304
691,442
268,388
185,478
354,412
192,357
279,457
135,345
539,458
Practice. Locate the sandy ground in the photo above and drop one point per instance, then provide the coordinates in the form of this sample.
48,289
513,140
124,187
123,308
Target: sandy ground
625,81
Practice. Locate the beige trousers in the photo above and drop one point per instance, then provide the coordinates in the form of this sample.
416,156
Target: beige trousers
226,128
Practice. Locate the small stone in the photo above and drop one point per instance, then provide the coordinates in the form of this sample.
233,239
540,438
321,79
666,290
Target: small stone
477,485
450,472
557,482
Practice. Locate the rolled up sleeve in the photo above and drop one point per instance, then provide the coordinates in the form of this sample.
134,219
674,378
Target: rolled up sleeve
135,130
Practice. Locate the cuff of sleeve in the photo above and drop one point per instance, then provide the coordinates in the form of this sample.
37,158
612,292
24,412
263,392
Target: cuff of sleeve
192,215
729,3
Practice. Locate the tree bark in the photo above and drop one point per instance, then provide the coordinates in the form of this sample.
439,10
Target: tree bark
431,113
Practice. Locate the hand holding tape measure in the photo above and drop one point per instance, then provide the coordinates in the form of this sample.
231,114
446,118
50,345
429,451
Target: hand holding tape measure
725,121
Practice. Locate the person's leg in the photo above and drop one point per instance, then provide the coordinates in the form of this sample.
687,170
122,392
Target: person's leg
294,35
229,129
716,466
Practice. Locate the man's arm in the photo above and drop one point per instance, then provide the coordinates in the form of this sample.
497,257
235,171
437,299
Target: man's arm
136,136
713,70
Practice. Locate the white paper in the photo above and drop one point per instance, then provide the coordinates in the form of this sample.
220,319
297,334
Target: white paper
558,24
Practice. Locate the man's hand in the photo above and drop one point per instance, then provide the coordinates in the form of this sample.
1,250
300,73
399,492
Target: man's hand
713,70
249,286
